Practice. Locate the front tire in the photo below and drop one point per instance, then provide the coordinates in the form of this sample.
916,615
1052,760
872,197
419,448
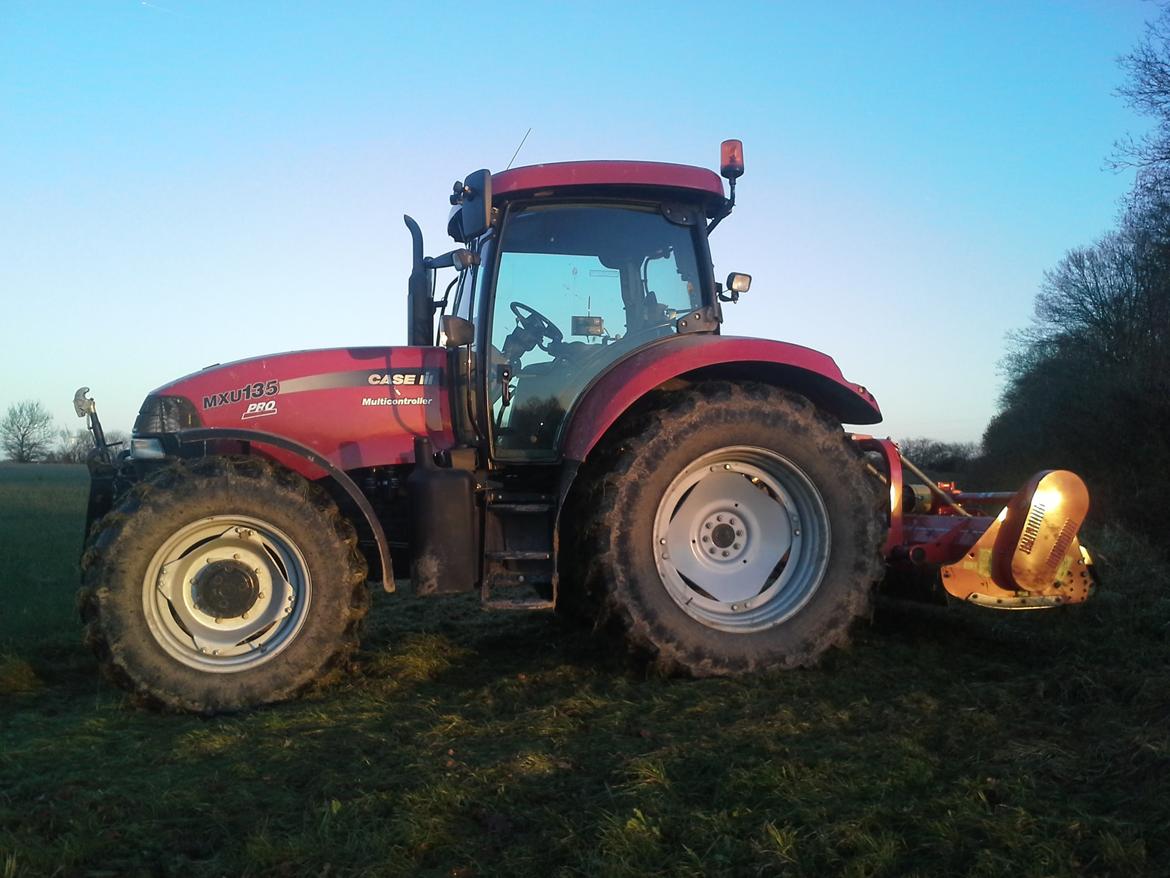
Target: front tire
736,531
221,584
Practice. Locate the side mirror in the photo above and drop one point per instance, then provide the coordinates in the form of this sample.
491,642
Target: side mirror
739,283
477,204
457,331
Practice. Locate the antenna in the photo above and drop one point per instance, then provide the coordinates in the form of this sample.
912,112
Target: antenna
517,152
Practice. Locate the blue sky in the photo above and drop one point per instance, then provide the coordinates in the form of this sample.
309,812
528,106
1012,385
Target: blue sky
185,183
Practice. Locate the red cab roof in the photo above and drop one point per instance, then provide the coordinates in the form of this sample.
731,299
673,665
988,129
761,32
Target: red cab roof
606,173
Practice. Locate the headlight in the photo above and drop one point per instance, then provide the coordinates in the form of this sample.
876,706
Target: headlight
147,449
165,414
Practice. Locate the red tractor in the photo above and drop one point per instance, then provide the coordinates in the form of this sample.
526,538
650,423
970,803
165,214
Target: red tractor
575,433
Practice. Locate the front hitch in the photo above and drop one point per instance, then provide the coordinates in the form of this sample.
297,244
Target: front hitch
107,481
87,408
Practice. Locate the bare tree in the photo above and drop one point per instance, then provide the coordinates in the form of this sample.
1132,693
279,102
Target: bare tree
26,431
1088,384
73,446
1148,92
77,445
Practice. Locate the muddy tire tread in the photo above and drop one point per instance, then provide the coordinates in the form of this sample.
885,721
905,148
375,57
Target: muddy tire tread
168,488
615,471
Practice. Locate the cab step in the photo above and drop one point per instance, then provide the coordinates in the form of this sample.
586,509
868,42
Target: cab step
517,592
520,508
514,555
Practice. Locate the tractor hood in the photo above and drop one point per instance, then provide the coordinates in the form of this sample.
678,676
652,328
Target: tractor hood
358,407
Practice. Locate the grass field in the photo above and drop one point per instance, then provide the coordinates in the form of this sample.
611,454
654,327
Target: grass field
943,742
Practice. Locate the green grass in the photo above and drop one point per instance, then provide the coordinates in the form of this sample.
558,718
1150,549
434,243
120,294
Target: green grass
42,516
957,742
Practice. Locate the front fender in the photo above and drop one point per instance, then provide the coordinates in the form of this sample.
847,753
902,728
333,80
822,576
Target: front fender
306,455
692,357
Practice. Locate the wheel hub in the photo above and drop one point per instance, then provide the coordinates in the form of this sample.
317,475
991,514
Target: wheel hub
741,539
225,589
226,593
723,536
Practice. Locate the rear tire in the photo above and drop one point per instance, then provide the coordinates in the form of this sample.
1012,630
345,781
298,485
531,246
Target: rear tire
221,584
735,530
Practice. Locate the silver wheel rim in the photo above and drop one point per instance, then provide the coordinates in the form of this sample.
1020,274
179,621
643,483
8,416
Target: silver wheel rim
741,539
226,593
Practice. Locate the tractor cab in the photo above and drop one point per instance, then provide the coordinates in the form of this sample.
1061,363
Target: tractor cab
576,287
571,268
566,272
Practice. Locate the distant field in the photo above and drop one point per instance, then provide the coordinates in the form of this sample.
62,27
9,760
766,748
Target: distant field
42,515
942,743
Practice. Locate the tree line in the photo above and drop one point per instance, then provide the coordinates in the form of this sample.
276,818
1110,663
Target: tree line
28,435
1088,382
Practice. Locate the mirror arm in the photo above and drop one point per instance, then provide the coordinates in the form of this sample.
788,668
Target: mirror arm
728,206
459,258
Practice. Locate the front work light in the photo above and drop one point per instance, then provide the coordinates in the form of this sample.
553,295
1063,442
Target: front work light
738,282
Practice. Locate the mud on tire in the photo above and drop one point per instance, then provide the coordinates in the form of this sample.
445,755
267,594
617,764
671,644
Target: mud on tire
730,529
222,583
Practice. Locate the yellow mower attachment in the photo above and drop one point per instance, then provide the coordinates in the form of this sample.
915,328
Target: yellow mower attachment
1029,557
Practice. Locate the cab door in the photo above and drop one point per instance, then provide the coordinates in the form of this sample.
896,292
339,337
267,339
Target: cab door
577,287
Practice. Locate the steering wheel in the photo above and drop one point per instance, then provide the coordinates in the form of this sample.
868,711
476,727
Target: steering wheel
536,323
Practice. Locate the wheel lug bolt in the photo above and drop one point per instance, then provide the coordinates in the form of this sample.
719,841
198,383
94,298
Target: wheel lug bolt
662,542
736,546
796,532
724,553
707,525
235,556
719,518
260,595
739,533
706,539
243,615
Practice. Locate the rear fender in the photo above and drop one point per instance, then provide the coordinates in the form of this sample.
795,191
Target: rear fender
306,455
698,357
